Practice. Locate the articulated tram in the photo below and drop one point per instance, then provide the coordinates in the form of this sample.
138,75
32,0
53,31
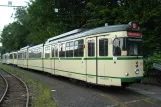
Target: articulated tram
108,55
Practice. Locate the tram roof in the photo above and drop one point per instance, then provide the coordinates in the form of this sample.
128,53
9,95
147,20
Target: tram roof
13,52
65,34
25,47
98,30
36,46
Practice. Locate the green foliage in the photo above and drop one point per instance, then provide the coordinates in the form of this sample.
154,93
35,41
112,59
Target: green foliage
40,21
99,12
14,36
148,14
45,23
40,93
155,58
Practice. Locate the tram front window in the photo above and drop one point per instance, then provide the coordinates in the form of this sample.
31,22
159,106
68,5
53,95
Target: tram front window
127,47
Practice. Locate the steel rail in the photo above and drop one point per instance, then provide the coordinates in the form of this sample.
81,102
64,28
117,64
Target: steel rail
5,89
27,91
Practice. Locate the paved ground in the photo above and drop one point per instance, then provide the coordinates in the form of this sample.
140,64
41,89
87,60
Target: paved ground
147,89
69,94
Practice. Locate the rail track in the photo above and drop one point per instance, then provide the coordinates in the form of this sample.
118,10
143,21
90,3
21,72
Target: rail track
118,96
15,93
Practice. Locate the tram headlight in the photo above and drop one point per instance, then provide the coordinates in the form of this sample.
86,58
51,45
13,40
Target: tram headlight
137,71
126,74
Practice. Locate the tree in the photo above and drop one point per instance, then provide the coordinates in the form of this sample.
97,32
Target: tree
147,13
40,22
14,35
46,23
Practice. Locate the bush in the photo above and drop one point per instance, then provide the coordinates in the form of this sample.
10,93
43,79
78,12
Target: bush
148,63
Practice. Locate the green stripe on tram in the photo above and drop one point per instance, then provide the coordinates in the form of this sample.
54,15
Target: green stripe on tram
90,58
100,58
123,79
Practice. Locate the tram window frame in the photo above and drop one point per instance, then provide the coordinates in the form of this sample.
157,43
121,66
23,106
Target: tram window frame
15,56
47,52
31,53
20,55
39,52
25,53
69,49
10,56
121,48
36,53
62,50
56,51
103,48
52,51
79,48
91,48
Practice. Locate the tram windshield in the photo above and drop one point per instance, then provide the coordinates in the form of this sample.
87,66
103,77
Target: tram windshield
127,47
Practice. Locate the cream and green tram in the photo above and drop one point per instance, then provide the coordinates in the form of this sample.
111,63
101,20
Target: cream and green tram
14,58
10,60
22,57
7,58
109,55
4,56
35,57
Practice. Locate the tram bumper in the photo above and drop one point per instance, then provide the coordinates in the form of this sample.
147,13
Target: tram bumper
131,79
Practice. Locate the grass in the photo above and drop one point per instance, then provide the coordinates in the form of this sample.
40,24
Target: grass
40,94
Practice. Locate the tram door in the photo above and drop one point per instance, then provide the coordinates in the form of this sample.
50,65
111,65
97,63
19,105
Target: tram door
91,59
53,59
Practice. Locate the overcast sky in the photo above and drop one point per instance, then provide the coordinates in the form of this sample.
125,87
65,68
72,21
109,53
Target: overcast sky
6,12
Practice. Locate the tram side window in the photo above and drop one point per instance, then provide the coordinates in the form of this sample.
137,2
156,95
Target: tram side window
19,55
78,48
36,53
91,48
56,51
39,53
15,56
47,52
30,54
62,50
52,51
24,55
11,57
69,49
103,47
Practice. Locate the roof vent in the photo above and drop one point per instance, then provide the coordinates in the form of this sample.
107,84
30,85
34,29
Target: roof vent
106,24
